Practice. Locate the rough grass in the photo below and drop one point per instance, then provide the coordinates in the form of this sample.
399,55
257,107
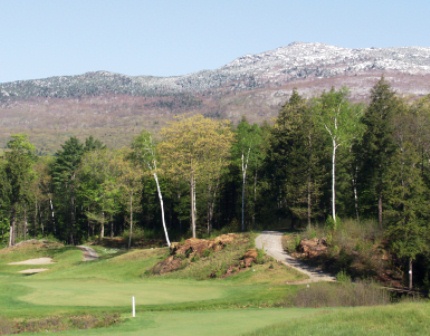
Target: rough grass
399,319
344,294
57,323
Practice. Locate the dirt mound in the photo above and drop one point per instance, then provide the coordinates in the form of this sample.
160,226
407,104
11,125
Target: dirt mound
311,248
249,258
192,248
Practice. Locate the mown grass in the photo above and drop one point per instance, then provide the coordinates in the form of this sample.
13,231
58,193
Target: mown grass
73,293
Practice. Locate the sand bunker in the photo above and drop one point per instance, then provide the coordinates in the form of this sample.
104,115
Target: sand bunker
33,270
38,261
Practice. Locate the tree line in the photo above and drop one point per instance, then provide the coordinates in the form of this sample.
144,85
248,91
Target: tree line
323,159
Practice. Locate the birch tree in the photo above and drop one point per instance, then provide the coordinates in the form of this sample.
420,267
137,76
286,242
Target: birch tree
144,152
340,120
248,155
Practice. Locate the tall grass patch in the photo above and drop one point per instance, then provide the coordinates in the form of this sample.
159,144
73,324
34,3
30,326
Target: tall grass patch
344,294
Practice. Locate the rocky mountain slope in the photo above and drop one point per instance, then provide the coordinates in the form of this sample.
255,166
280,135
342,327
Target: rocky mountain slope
114,106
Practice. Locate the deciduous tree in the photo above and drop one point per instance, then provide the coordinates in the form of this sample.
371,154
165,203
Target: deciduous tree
196,149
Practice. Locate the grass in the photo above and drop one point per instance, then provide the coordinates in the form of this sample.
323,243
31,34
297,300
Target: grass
77,294
204,323
399,319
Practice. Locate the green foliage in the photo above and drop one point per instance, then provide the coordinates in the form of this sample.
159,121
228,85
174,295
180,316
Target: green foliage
342,276
318,159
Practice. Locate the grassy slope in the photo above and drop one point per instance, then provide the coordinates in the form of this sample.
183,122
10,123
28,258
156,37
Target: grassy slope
399,319
176,304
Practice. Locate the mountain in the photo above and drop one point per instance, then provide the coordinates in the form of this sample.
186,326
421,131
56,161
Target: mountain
114,106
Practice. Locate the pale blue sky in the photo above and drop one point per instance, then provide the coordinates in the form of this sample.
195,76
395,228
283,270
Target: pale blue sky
42,38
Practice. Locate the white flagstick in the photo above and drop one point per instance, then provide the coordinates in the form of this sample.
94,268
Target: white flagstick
133,305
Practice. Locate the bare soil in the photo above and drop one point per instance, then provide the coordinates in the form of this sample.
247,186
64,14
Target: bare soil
37,261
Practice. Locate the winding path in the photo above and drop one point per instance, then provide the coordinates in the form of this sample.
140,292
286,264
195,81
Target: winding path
89,253
271,243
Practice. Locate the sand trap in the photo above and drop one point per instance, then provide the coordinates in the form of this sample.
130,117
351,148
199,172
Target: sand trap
33,270
38,261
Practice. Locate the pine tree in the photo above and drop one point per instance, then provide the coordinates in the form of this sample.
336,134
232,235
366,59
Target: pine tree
291,164
377,147
63,171
20,158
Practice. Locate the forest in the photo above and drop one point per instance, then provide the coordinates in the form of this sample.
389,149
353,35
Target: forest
324,160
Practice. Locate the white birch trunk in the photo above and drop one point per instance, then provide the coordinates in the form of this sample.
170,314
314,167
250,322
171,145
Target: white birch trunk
160,198
193,205
354,183
333,181
244,171
102,227
51,206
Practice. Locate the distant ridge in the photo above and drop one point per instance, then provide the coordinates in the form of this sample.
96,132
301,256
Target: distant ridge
252,85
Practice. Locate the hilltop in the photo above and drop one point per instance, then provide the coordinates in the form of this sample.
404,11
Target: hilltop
113,106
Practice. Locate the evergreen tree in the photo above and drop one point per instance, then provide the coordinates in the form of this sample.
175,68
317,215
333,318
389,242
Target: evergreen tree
63,171
377,147
292,161
20,158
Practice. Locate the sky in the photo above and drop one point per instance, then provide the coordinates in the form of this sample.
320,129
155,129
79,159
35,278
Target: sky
43,38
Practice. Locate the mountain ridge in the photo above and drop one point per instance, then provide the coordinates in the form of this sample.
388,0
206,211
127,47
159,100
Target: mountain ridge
279,66
115,106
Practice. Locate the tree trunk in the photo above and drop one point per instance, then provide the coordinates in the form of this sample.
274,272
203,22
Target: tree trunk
244,171
130,233
102,227
354,186
309,201
193,205
333,182
255,199
72,211
410,273
380,210
210,209
51,206
212,192
12,226
25,229
160,198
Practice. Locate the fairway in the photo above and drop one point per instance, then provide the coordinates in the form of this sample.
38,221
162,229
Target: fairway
203,323
98,293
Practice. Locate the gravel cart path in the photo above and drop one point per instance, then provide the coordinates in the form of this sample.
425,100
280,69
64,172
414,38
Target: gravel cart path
89,253
271,243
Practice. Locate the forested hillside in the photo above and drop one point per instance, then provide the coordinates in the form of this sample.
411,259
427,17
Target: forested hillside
325,159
